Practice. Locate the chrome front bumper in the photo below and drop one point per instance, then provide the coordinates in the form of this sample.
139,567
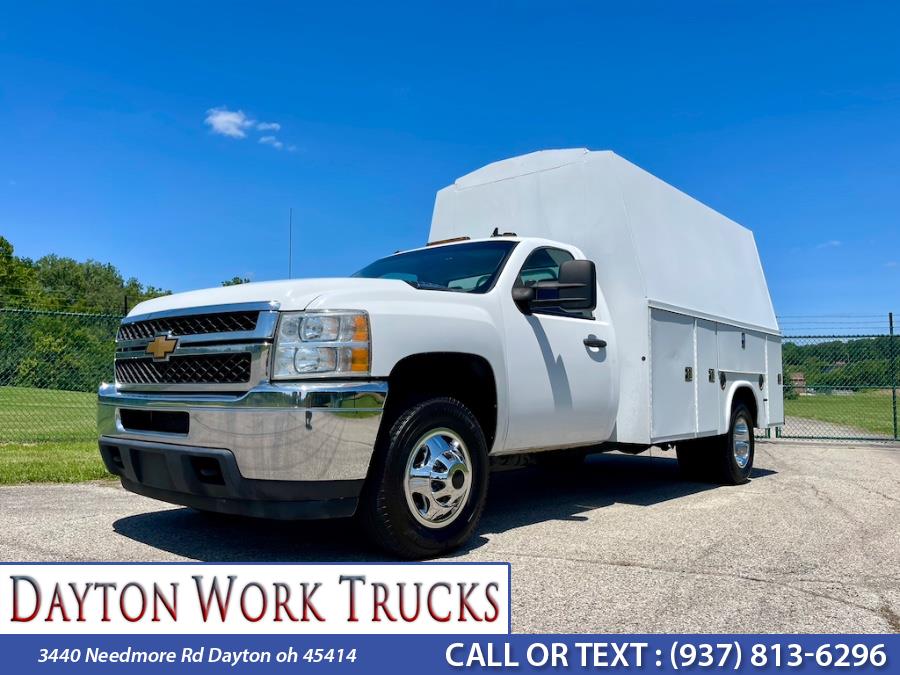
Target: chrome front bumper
315,431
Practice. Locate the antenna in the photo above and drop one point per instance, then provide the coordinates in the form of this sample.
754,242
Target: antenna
290,242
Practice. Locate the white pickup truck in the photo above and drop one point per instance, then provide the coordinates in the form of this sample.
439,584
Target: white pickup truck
622,314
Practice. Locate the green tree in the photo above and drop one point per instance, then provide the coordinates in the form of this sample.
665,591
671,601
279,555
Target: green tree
236,281
19,285
63,284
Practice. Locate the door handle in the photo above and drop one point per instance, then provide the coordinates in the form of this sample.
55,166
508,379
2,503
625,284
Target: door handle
594,342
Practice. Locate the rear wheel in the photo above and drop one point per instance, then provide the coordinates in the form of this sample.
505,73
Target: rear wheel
428,484
735,455
724,459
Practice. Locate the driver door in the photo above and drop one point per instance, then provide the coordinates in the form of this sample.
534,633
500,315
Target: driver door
561,391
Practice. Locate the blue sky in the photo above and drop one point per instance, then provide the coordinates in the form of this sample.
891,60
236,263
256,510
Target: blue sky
784,116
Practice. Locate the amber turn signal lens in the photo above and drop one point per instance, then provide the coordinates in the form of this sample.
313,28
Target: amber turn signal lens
359,360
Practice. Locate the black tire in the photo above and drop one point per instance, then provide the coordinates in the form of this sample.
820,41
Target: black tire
727,469
713,458
384,510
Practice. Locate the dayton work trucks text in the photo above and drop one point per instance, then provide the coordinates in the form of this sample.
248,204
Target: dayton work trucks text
621,314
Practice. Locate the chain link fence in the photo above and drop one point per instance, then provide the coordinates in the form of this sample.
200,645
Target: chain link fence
840,376
50,366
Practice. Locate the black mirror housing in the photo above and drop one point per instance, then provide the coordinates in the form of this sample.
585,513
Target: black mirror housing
523,296
582,276
576,289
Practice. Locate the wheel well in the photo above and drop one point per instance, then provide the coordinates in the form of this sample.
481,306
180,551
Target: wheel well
466,377
745,395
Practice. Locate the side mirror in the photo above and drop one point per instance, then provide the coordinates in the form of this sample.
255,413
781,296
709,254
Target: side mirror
578,285
575,289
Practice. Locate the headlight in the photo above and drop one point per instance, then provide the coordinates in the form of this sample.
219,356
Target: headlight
321,344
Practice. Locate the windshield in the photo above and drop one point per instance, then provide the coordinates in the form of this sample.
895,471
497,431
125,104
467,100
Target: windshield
467,268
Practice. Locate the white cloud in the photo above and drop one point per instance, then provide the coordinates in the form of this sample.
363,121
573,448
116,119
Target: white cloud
231,123
237,124
271,140
831,243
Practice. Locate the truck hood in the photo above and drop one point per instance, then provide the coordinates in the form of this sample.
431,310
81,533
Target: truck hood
292,294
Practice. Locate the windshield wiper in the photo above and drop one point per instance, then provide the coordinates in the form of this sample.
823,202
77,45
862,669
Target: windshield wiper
430,286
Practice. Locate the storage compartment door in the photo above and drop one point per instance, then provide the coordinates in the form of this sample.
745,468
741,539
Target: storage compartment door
741,350
774,391
708,391
672,395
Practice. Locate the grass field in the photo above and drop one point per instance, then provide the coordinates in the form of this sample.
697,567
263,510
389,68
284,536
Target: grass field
48,436
40,415
70,462
870,411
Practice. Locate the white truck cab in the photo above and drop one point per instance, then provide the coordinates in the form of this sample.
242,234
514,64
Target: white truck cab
568,301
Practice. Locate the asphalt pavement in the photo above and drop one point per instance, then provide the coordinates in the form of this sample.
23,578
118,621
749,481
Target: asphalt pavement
810,544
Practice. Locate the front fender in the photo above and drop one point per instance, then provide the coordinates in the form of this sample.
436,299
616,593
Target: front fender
433,322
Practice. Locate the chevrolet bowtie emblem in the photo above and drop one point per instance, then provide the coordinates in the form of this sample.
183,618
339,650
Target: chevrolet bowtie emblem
161,347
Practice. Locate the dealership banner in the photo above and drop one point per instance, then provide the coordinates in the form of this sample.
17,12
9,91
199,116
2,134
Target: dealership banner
434,654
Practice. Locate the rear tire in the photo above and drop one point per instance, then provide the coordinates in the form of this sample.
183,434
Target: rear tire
724,459
427,486
734,460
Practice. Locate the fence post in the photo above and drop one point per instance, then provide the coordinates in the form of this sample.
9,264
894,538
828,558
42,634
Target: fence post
892,355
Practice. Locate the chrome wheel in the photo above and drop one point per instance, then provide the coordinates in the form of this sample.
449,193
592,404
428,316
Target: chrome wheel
438,478
740,441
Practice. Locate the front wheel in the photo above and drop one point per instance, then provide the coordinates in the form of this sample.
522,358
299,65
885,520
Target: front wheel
428,483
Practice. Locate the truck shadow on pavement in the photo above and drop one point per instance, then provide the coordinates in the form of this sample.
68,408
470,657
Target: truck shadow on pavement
517,498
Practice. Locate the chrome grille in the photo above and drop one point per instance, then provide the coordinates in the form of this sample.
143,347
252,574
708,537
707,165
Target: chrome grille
225,368
221,348
197,324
